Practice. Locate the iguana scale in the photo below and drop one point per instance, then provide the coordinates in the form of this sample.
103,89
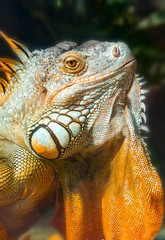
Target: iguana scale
70,135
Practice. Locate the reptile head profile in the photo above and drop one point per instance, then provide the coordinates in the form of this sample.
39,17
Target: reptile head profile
71,119
72,103
63,90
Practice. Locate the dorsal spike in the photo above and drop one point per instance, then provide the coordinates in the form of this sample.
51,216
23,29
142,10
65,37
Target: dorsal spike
12,64
5,88
3,81
25,49
6,67
12,61
7,71
21,51
1,89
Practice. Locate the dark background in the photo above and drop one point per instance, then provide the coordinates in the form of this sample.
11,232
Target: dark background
140,23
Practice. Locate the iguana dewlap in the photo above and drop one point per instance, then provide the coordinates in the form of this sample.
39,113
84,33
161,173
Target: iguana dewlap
71,119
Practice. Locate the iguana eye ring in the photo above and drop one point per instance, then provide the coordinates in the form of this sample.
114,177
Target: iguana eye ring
73,63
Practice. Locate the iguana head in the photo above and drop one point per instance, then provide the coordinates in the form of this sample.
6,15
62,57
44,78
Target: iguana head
62,96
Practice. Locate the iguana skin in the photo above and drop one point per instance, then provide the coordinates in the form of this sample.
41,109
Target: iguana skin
70,137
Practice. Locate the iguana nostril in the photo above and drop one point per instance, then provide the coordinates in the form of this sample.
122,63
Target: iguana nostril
116,51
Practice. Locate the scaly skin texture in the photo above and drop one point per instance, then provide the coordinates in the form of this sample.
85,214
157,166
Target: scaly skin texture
71,137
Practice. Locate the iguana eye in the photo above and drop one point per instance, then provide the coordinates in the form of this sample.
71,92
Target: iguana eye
116,51
73,63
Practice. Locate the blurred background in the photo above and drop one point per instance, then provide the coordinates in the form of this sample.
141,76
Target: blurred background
140,23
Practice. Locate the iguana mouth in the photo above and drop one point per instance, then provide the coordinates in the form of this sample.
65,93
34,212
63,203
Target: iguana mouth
104,75
97,78
132,62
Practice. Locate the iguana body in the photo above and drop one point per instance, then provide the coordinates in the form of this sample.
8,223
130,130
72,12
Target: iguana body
71,119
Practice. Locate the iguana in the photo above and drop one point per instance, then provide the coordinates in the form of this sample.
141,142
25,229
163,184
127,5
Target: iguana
71,137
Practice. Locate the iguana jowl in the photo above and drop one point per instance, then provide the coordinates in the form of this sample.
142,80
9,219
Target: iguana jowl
71,119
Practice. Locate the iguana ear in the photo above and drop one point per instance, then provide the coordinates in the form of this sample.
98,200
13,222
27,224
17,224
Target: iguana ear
133,201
